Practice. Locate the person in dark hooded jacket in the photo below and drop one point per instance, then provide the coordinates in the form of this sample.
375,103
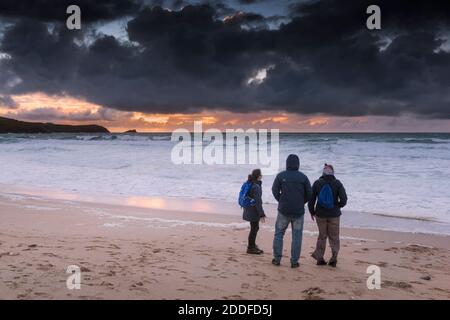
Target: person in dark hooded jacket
255,213
292,190
327,218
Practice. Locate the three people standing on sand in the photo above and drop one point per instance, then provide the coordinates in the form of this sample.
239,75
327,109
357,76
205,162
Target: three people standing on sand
292,189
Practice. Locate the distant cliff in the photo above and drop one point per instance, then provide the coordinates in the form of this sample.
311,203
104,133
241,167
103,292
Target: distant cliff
15,126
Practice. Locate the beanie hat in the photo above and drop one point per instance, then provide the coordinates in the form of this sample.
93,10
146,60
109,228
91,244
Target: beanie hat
328,170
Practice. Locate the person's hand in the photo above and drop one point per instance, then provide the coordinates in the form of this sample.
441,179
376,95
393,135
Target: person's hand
263,219
312,217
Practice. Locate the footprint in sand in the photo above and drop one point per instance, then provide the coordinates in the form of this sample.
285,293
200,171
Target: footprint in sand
45,267
398,284
30,247
90,248
359,262
110,273
313,293
107,284
49,254
232,259
41,294
137,284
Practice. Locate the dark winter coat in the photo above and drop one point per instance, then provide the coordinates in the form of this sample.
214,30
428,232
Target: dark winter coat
292,189
256,212
339,196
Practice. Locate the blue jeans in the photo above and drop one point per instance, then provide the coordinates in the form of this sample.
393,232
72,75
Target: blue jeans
297,234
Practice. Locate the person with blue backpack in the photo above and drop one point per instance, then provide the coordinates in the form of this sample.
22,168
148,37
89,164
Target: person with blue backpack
292,189
328,197
250,199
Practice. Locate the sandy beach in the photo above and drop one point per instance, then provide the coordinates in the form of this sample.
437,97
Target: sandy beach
136,136
127,252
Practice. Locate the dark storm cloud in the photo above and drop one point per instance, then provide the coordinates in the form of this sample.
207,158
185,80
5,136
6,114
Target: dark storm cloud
58,114
323,60
250,1
44,10
178,4
8,102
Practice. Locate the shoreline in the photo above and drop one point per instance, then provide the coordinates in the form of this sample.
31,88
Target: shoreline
351,219
129,252
178,213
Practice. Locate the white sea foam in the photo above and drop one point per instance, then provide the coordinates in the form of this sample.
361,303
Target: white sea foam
111,225
40,208
394,174
176,223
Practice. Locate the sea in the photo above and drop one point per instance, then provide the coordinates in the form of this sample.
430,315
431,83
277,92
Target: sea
394,181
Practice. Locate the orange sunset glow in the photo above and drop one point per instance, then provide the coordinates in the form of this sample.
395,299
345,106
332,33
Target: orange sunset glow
72,110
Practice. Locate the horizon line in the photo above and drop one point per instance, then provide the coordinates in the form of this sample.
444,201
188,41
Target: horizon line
297,132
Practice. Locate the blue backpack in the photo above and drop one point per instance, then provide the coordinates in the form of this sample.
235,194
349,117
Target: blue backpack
326,199
244,200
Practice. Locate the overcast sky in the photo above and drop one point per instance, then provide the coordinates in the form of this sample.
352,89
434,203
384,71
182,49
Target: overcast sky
279,63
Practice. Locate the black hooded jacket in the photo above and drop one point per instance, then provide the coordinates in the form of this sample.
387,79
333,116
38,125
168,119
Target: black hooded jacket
339,196
292,189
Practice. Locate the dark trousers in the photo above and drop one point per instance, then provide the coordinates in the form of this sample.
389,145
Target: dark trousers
254,227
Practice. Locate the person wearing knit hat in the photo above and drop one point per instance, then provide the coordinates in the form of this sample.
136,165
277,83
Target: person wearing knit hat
328,170
328,197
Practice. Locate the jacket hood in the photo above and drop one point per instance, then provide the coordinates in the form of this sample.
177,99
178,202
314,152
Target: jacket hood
292,162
